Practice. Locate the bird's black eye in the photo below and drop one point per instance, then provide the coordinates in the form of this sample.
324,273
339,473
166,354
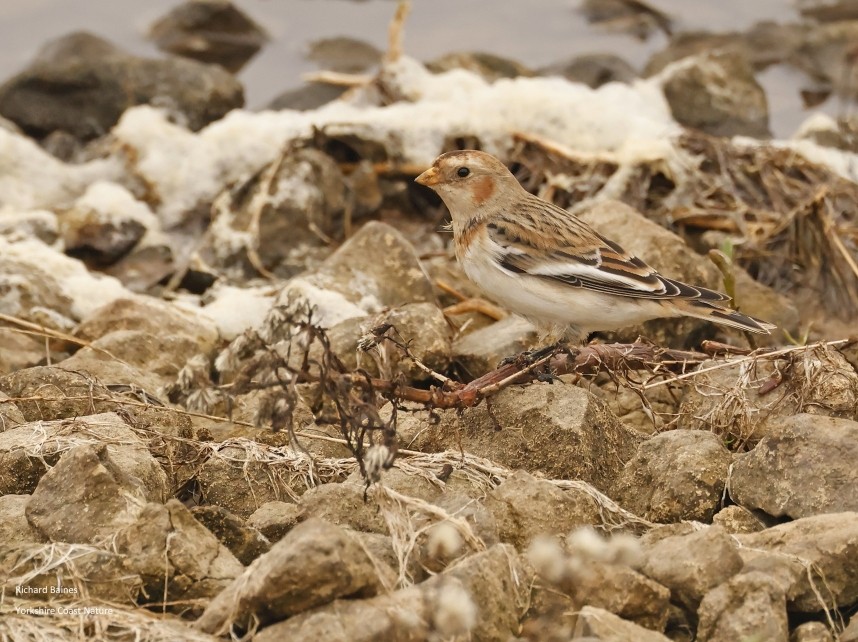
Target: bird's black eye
462,172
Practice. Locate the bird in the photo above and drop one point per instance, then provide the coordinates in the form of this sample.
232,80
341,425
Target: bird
544,263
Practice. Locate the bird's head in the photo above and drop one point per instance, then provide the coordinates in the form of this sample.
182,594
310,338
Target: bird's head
471,183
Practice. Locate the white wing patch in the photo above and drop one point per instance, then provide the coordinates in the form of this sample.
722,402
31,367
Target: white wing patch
592,274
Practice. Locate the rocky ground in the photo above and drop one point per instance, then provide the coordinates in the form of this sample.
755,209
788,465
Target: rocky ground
245,389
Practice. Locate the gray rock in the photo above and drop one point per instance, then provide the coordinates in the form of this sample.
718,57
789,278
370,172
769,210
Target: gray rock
825,55
806,469
718,94
177,558
765,43
593,70
546,619
525,507
10,415
275,519
828,10
307,97
52,392
763,302
481,520
113,373
376,268
748,606
314,564
172,439
28,287
153,316
735,520
558,429
295,208
380,547
626,404
484,596
829,543
29,450
620,590
100,82
480,351
691,565
421,326
14,527
104,224
419,486
603,626
88,494
149,263
815,632
344,505
149,360
638,19
676,475
243,541
343,54
490,66
76,568
732,401
211,31
233,479
18,352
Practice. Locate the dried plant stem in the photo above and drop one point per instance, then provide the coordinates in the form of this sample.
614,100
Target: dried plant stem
746,359
396,32
50,333
585,360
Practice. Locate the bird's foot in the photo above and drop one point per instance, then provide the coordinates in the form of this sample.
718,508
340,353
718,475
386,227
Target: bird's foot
529,357
546,375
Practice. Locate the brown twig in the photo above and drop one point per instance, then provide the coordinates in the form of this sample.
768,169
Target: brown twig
49,333
587,360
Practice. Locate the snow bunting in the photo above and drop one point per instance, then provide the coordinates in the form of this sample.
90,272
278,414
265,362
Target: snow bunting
544,263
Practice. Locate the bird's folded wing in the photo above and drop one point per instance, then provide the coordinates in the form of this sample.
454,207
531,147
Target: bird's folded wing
596,264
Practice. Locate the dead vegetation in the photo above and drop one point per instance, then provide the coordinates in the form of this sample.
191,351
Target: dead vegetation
792,223
745,386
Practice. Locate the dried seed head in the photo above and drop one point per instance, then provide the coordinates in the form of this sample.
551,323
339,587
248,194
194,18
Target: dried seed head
547,557
227,361
444,541
586,544
202,400
455,612
375,461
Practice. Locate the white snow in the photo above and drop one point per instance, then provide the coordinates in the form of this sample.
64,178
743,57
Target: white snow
330,308
109,201
186,168
30,178
233,310
19,225
87,290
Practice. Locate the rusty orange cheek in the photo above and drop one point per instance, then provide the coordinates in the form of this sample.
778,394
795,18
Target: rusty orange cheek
483,188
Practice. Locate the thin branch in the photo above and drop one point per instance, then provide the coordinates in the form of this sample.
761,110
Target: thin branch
746,359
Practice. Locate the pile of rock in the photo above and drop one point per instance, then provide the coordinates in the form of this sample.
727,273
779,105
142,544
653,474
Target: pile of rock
719,506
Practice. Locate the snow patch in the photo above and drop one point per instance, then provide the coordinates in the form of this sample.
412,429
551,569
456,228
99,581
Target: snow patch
233,310
88,291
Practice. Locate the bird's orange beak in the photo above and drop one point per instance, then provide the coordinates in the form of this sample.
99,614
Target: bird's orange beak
429,178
